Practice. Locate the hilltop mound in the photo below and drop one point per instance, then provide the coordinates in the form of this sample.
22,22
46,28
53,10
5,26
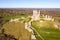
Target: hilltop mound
17,29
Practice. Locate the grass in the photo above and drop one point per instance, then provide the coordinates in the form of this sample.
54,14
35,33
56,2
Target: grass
27,19
13,17
17,29
22,18
49,34
36,35
47,30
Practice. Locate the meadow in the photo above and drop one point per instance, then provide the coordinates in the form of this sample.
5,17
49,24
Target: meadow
47,30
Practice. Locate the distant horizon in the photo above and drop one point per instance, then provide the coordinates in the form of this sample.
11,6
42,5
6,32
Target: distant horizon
19,7
30,8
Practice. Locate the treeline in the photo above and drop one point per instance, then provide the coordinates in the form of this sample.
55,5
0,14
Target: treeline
9,12
13,12
55,13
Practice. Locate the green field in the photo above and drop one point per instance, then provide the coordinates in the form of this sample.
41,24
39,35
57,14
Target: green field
47,30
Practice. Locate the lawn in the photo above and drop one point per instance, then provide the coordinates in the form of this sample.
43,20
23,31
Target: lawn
47,30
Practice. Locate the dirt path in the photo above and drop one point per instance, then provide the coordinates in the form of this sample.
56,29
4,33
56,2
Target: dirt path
37,33
28,25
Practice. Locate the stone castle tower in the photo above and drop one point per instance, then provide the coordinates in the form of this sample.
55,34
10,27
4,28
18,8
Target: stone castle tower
36,15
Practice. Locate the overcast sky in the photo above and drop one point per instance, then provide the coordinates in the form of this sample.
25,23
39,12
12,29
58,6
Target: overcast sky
29,3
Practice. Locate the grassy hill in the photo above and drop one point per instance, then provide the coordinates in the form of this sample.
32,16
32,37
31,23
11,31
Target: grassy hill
47,30
17,30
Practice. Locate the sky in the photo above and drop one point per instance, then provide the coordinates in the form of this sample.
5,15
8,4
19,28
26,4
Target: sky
29,3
